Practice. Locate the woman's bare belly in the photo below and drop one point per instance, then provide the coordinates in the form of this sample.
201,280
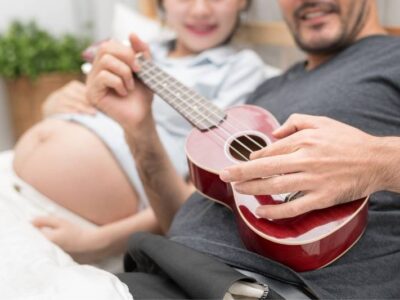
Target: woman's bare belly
70,165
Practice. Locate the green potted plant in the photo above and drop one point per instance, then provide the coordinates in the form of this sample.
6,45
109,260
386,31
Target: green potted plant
34,63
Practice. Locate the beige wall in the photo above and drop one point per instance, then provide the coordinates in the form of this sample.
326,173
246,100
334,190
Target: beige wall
391,12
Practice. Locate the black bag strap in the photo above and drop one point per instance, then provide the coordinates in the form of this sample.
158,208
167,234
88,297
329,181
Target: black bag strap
164,269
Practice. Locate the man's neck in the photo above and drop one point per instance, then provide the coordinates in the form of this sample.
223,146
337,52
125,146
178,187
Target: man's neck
314,61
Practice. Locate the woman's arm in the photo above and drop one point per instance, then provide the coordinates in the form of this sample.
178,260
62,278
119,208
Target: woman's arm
87,245
71,98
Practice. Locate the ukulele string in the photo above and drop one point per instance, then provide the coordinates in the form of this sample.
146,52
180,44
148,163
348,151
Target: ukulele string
203,104
240,123
215,134
151,67
151,79
194,96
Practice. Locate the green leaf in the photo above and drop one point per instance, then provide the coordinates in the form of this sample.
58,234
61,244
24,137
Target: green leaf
28,50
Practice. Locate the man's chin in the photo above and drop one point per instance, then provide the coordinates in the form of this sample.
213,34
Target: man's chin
321,50
320,45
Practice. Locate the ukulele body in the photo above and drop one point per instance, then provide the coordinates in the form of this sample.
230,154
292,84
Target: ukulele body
304,243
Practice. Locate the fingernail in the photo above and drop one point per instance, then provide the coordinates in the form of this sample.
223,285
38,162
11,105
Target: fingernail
238,188
258,211
135,67
225,175
254,155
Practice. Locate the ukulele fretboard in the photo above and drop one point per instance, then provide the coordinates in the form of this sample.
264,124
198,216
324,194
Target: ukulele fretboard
199,111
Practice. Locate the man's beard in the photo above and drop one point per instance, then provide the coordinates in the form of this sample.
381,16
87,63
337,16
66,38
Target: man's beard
344,38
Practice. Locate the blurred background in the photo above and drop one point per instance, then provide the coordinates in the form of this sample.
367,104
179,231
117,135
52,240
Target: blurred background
92,20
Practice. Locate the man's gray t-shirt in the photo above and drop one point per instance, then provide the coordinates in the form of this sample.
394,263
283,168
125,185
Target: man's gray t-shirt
360,87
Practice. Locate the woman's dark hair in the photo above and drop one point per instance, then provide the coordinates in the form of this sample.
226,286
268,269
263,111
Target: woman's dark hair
238,22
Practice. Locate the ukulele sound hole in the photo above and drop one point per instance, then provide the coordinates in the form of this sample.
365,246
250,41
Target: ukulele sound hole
241,147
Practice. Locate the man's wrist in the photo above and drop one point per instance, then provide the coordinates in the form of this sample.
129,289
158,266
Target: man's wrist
138,129
388,162
141,136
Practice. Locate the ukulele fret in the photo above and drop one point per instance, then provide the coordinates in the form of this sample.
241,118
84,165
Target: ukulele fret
200,112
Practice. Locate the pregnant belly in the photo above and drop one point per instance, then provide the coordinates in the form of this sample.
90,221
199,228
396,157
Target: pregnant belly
70,165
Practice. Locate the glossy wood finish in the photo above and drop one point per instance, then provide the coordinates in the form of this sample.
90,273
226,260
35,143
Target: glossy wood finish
304,243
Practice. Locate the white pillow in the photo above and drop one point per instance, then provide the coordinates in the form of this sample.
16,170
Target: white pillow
127,21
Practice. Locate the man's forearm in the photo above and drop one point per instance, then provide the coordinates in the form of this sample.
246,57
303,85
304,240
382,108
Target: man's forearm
165,188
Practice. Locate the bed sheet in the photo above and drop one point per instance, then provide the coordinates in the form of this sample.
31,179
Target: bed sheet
31,267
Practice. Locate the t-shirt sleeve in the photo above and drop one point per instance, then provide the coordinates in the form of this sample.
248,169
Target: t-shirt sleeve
245,73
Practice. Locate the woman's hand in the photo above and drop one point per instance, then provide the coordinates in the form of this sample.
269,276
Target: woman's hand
71,98
112,87
85,245
328,161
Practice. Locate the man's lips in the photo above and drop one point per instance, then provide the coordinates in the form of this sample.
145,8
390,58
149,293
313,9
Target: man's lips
312,15
202,29
315,12
315,18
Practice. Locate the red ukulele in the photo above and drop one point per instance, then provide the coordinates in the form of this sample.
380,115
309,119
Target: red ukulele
222,138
